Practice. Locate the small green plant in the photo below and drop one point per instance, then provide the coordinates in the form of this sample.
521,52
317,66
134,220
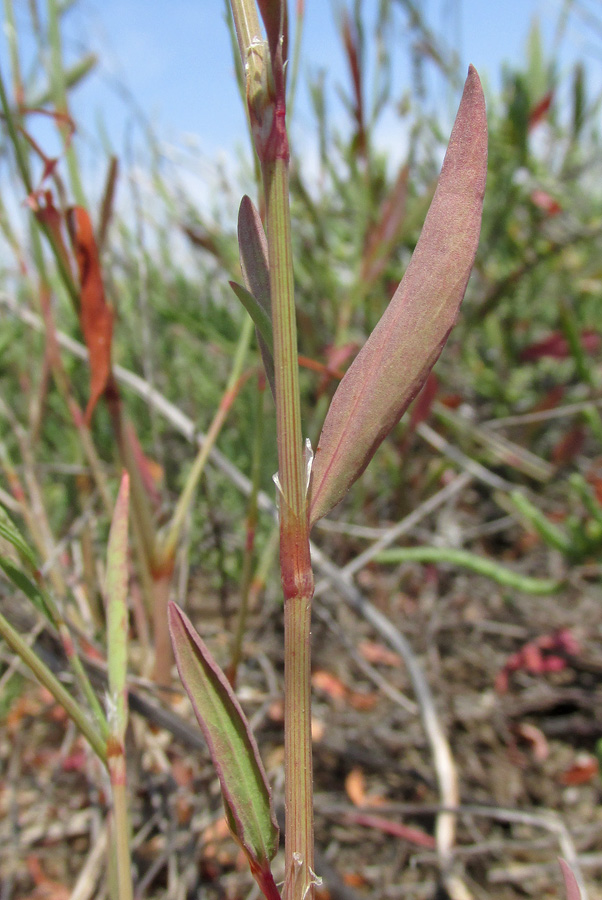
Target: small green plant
384,378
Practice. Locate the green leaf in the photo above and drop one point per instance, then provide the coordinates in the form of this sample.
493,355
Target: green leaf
25,584
393,364
231,744
116,587
24,580
10,532
73,75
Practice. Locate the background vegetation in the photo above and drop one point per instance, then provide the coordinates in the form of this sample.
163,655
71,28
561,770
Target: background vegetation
511,650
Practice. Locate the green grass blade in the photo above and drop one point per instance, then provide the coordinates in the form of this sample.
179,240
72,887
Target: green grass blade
116,587
10,533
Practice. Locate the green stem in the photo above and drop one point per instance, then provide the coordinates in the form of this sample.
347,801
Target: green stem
585,371
11,36
51,682
168,545
296,57
22,161
475,563
121,828
57,79
299,843
249,556
295,563
266,103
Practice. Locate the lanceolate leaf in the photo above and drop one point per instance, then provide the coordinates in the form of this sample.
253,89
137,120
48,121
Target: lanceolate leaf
274,15
96,316
397,357
25,584
261,320
10,533
232,746
24,580
253,249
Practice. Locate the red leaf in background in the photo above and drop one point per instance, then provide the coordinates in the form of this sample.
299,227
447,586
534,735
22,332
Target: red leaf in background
150,471
544,201
335,358
335,688
567,448
75,762
557,347
351,43
421,410
541,656
535,738
382,237
594,477
584,769
397,829
47,213
550,400
540,110
45,887
378,654
96,316
330,684
424,401
355,788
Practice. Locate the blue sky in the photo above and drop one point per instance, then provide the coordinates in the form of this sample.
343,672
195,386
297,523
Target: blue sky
174,57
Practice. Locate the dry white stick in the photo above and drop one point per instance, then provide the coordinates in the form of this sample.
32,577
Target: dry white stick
85,886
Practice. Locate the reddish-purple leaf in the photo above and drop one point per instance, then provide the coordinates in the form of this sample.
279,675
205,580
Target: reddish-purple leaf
395,361
50,217
556,346
233,749
540,111
570,882
96,316
253,251
275,20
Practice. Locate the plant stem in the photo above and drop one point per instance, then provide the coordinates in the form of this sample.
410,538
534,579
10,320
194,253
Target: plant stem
59,91
121,828
472,561
266,104
295,563
51,682
299,844
251,528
